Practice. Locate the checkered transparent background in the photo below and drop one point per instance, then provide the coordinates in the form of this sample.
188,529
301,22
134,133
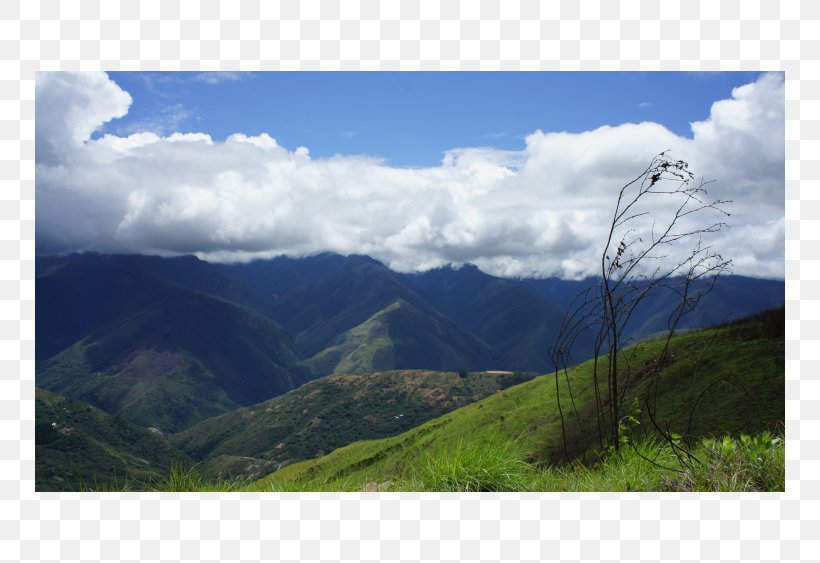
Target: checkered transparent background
411,35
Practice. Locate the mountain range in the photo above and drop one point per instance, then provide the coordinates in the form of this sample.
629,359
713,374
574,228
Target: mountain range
169,342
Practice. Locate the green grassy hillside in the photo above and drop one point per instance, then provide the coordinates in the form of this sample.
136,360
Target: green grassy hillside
332,412
727,380
180,358
80,447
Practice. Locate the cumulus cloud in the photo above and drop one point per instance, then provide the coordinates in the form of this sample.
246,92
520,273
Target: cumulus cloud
540,211
70,107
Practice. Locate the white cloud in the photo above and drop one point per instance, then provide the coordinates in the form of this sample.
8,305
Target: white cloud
70,107
539,211
213,78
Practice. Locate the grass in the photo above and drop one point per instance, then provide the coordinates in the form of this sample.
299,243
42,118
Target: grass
180,478
744,463
728,463
497,467
183,478
116,484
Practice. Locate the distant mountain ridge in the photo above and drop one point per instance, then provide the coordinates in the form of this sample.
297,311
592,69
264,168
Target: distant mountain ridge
167,342
517,322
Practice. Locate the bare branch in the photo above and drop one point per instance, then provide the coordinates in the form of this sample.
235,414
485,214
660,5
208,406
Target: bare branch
639,261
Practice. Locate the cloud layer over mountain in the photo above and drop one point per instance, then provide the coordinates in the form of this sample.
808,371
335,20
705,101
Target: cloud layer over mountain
540,211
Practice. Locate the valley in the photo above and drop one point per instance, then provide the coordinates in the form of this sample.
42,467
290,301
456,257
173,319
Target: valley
282,366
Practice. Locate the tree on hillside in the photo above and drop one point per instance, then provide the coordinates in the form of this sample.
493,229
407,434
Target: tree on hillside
655,245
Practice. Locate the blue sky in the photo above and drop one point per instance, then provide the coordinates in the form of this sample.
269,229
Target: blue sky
412,118
514,172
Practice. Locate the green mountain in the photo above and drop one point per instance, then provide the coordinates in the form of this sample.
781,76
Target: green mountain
80,447
172,356
275,280
518,323
79,292
343,297
332,412
403,336
722,300
728,379
730,298
169,342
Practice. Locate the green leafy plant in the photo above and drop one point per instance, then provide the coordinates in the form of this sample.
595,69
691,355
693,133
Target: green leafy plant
629,423
745,463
